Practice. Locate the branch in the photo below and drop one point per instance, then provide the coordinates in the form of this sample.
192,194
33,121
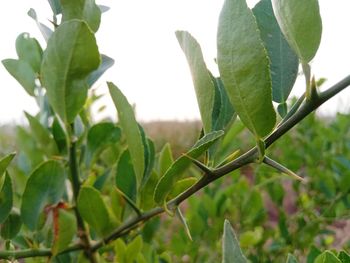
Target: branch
249,157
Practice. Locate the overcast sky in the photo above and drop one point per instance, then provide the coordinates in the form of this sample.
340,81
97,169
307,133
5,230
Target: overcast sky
149,65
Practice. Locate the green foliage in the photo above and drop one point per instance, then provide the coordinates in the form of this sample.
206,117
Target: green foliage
86,191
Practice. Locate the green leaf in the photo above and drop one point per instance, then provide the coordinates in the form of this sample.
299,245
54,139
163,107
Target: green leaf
4,162
244,67
133,249
301,24
327,257
55,6
175,171
22,72
131,131
42,136
147,191
231,251
291,259
93,210
182,185
45,186
64,231
284,61
45,31
66,65
86,10
165,159
202,81
106,63
344,257
29,50
149,155
251,238
223,112
6,198
99,137
125,176
11,226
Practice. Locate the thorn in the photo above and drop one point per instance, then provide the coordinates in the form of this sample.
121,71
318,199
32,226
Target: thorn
282,169
130,202
200,165
183,221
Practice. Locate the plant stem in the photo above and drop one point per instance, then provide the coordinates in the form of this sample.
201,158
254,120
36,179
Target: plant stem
74,171
249,157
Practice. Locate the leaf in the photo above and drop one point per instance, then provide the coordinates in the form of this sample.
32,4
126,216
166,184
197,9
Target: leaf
42,136
244,67
6,198
4,162
125,176
147,191
231,251
86,10
99,137
93,210
203,84
165,159
291,259
11,226
344,257
301,24
223,112
65,230
45,30
175,171
182,185
22,72
29,50
106,63
55,6
149,155
284,61
133,249
131,131
327,257
66,64
44,187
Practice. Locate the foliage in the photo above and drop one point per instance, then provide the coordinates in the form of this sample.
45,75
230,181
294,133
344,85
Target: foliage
80,191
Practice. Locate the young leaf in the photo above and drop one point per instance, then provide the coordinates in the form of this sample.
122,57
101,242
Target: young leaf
4,162
125,176
99,137
327,257
65,229
149,155
131,130
301,24
86,10
291,259
93,210
45,186
175,171
244,67
42,136
231,251
181,185
45,31
66,64
106,63
165,159
133,249
22,72
29,50
6,198
11,226
147,191
284,61
202,81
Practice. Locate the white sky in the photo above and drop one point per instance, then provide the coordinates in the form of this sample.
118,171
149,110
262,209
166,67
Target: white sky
149,65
